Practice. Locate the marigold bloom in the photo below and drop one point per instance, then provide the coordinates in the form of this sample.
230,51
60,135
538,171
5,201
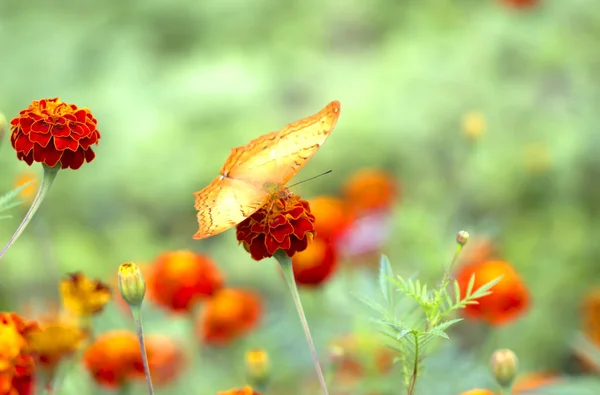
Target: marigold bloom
477,391
83,296
284,223
247,390
182,278
50,131
165,359
315,264
509,297
27,193
333,216
53,341
114,358
370,189
16,363
590,324
229,314
520,3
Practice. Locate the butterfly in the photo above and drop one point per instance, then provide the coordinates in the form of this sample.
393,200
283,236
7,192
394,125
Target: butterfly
254,172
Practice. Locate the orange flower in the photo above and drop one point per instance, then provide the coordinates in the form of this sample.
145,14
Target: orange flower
534,381
52,341
229,314
82,296
284,223
333,216
477,391
16,363
247,390
509,297
114,358
315,264
359,354
591,316
165,359
179,279
51,132
370,189
29,191
520,3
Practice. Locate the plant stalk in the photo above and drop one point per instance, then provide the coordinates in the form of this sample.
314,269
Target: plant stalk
136,312
285,263
49,176
415,373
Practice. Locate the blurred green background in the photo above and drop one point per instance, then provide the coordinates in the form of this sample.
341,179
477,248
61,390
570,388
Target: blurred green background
176,84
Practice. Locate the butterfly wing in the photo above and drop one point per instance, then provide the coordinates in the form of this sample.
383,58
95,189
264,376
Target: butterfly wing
277,156
224,203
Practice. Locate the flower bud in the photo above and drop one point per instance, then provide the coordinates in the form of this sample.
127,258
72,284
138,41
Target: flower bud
258,367
504,364
336,355
462,237
131,283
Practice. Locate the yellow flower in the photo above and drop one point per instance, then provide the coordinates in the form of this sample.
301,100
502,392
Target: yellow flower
53,341
474,125
27,193
82,296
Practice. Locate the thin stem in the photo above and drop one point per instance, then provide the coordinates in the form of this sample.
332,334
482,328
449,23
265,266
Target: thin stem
447,273
136,312
49,176
415,373
286,267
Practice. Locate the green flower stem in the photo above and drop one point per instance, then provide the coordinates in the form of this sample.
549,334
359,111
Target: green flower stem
49,176
286,267
448,272
136,312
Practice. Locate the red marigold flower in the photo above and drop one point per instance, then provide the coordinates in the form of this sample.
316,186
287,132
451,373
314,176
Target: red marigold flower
229,314
284,223
247,390
50,131
16,363
509,297
114,358
315,264
179,279
520,3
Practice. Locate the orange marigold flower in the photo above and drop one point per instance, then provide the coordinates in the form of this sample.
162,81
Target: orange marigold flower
16,363
247,390
477,391
51,132
590,324
284,223
165,359
52,341
229,314
29,191
315,264
114,358
179,279
371,189
520,3
534,381
509,297
333,216
83,296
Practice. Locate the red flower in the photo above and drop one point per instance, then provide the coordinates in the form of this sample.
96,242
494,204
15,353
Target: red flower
247,390
509,297
284,223
228,315
16,363
315,264
50,131
520,3
179,279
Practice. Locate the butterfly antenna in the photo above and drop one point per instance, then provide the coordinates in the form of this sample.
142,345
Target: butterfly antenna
312,178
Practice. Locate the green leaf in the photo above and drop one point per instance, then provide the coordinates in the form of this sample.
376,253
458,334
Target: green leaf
471,284
484,289
385,277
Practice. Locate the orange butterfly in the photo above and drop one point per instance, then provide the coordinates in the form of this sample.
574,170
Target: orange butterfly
254,172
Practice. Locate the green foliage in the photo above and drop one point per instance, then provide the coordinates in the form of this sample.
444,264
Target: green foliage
11,200
413,316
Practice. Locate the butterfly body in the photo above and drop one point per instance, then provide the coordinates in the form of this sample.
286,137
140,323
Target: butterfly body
255,173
